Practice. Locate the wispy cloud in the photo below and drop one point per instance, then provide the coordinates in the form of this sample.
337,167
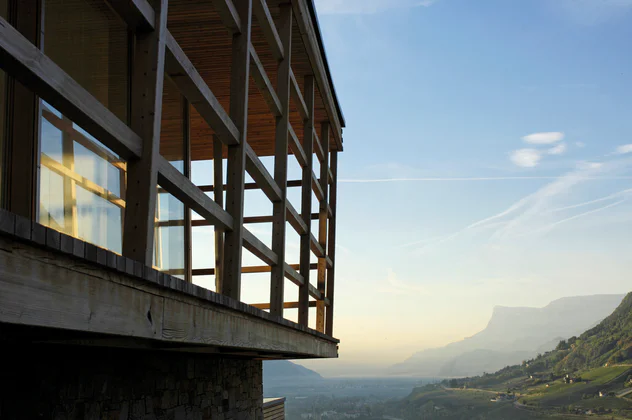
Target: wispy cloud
551,226
559,149
544,138
330,7
537,213
526,158
624,149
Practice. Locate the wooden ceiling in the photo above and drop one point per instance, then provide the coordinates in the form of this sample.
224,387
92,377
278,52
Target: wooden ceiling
197,27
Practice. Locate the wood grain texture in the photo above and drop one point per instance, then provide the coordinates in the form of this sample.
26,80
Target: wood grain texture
236,166
146,113
279,209
170,311
306,202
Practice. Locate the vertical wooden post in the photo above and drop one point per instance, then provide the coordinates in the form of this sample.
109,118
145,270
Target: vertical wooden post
146,112
218,194
306,202
322,223
22,182
236,169
329,329
186,157
279,208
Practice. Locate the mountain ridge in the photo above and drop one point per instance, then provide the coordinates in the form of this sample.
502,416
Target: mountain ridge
512,333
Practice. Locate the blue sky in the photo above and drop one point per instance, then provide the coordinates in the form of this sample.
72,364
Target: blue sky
485,164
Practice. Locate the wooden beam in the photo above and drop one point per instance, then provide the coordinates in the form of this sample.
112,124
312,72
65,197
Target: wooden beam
294,275
116,304
22,142
259,249
312,47
286,305
218,196
296,220
317,187
232,18
138,14
261,11
180,69
184,190
263,82
262,177
297,96
331,247
306,201
316,248
24,61
296,147
322,224
279,208
239,80
318,149
142,174
188,228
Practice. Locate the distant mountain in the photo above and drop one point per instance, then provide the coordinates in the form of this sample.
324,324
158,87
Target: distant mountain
608,342
511,335
286,371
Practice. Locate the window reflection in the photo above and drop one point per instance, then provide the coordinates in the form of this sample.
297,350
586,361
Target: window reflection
169,234
82,182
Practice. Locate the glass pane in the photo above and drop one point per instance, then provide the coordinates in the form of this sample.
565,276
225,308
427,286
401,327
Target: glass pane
169,234
90,43
82,182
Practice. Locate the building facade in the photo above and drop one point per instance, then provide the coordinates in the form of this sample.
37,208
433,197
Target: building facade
168,193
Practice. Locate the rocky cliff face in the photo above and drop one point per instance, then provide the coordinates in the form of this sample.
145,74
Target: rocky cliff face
511,335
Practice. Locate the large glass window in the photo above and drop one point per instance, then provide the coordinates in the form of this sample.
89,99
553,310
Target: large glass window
82,182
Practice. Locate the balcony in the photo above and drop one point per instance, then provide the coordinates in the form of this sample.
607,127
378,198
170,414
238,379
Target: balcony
132,223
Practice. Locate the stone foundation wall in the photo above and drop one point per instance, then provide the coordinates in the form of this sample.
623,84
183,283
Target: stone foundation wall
64,383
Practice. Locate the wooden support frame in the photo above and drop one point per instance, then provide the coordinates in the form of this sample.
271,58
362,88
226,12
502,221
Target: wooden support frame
297,149
231,16
236,167
261,11
142,174
263,82
306,201
159,55
297,96
323,216
196,91
279,208
331,245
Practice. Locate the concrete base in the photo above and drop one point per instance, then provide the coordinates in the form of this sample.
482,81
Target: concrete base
72,382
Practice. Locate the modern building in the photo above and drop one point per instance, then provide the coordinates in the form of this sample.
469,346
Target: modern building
168,193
